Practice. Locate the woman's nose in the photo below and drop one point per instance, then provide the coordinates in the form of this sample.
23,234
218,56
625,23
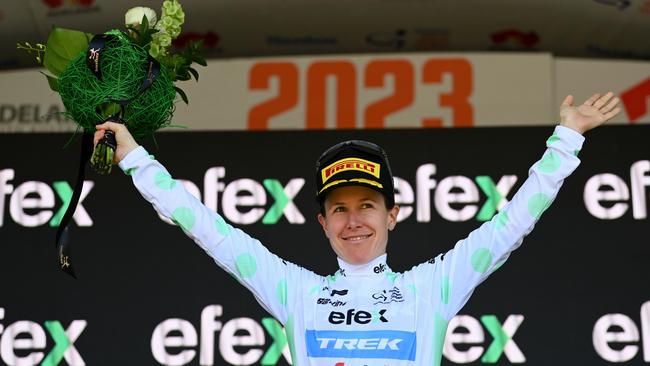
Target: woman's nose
353,219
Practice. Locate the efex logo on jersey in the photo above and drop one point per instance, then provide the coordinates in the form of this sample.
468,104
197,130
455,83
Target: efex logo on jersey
386,344
358,317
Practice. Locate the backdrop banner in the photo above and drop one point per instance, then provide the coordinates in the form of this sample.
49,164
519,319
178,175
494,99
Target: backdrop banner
576,293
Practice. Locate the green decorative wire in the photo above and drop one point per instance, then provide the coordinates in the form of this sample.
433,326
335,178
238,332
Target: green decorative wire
89,101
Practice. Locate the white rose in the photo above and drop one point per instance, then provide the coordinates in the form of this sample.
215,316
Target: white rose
133,17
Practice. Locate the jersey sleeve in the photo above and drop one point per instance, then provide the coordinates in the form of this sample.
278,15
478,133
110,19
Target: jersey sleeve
275,283
453,276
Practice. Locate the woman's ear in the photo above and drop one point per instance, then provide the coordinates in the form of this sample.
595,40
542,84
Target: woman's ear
323,223
392,217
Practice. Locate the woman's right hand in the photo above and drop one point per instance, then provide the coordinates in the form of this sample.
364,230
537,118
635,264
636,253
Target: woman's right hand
125,142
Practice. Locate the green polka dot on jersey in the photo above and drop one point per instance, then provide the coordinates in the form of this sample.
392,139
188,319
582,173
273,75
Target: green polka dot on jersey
550,163
222,226
246,265
481,260
439,330
331,279
184,217
130,171
281,291
499,264
554,138
391,276
164,181
314,290
501,220
576,152
537,204
413,288
152,157
444,290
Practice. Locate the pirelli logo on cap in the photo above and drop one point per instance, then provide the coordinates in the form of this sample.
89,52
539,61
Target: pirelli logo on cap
350,164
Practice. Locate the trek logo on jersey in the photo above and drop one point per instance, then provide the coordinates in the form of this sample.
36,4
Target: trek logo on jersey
386,344
357,317
350,164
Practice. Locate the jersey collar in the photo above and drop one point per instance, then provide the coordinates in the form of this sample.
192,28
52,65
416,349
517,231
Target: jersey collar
376,266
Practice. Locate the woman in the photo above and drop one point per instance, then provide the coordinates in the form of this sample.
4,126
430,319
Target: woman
365,314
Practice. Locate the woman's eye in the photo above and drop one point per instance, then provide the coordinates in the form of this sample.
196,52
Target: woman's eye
339,209
367,205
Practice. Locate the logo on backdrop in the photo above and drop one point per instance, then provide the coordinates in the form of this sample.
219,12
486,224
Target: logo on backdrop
33,203
394,40
419,38
607,196
24,113
635,99
70,7
616,337
12,338
514,39
211,40
503,343
243,201
619,4
230,340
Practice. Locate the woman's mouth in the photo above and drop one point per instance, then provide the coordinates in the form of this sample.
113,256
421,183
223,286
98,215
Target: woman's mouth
356,238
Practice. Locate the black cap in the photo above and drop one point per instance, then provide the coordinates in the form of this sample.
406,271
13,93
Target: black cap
354,163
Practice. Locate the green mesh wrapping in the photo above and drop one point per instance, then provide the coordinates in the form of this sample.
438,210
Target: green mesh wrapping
89,101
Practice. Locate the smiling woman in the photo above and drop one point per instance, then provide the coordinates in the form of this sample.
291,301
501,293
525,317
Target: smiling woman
355,191
366,314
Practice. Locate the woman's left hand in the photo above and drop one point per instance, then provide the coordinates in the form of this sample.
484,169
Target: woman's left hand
592,113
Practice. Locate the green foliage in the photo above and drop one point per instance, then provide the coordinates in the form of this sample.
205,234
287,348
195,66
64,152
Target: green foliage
142,36
180,65
62,46
89,101
39,50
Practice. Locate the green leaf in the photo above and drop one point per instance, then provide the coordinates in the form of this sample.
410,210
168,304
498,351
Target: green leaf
182,94
195,73
62,46
144,23
199,60
52,81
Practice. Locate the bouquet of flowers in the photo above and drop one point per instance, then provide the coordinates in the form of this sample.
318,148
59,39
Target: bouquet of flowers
125,76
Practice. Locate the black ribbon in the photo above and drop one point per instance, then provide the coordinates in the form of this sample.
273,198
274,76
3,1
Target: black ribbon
63,232
94,52
93,61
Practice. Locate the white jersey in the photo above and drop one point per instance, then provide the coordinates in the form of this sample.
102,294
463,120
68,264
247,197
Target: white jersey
363,314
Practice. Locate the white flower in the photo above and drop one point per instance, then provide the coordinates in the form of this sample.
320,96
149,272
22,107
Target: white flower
133,17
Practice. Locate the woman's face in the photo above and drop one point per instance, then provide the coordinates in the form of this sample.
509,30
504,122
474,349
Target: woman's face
356,222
